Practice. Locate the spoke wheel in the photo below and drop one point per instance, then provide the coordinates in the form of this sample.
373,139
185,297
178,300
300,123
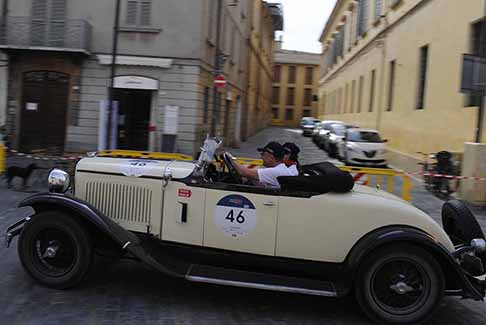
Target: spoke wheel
55,249
55,252
400,284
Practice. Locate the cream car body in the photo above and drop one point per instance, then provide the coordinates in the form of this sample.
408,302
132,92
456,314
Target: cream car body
147,205
189,220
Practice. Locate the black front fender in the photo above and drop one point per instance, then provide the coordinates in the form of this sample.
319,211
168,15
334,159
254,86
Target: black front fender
125,239
401,234
52,201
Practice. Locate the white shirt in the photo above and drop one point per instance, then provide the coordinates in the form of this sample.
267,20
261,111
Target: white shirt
268,176
293,169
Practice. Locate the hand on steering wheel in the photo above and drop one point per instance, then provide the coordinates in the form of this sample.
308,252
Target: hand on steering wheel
228,160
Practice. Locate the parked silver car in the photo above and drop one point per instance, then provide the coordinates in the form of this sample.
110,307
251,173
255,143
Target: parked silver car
307,124
323,132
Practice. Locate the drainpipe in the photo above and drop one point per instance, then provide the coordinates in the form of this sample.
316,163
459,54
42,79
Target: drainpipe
482,54
112,75
382,102
3,69
217,70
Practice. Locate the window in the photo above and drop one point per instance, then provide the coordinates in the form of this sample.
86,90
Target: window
306,113
391,85
212,20
346,94
276,95
353,93
290,96
340,100
362,17
275,113
292,69
424,54
372,90
139,12
289,114
52,33
476,49
307,97
378,8
276,73
206,104
360,93
309,75
340,42
351,36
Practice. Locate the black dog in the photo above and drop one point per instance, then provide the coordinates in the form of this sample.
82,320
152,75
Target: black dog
22,172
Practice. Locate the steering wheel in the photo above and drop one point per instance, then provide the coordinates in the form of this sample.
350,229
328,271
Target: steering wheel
228,161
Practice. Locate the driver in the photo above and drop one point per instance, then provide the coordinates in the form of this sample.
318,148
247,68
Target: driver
272,156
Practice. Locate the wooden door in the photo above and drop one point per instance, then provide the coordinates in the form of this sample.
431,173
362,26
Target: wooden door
43,111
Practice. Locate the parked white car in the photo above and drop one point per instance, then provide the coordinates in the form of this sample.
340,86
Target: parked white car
319,235
363,147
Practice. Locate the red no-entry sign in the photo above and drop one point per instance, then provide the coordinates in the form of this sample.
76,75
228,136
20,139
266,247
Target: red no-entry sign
220,81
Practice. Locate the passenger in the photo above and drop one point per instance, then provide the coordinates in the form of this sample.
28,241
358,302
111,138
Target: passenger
272,156
291,157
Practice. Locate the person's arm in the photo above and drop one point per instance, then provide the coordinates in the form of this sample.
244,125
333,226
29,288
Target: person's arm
246,172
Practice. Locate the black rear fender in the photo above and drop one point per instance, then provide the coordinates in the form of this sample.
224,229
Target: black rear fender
455,276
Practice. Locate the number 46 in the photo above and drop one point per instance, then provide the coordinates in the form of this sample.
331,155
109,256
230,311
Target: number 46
231,217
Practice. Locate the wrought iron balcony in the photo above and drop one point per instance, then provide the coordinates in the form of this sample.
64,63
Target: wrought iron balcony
70,35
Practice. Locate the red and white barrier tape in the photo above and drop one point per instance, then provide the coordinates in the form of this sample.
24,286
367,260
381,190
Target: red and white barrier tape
40,157
447,176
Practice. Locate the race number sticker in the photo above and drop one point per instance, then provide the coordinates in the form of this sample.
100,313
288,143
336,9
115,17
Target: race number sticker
137,168
235,216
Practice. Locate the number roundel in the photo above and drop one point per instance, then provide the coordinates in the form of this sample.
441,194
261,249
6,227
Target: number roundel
235,216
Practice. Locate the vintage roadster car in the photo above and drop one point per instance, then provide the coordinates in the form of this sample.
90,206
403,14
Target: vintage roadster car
194,221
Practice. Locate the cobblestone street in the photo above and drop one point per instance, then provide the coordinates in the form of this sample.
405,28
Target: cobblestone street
124,292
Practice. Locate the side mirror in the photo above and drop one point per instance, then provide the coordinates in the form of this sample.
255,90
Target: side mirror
385,140
344,139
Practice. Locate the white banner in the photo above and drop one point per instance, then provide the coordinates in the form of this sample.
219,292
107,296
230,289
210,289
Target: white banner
171,119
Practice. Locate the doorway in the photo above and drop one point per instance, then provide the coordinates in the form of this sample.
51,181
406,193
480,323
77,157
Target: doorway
43,113
133,118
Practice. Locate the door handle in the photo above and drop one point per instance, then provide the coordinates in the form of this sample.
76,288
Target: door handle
269,204
183,216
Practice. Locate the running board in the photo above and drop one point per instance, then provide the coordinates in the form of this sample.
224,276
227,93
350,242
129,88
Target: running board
264,281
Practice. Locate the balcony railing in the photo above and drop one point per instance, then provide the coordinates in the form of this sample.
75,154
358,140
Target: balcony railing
72,35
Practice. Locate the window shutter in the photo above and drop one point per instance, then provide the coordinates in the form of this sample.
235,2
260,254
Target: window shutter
378,8
57,23
145,13
39,9
132,9
58,10
362,17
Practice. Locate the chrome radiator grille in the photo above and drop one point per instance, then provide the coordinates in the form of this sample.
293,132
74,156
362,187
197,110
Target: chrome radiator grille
122,202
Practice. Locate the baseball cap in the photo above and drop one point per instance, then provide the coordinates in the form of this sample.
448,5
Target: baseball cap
274,148
291,148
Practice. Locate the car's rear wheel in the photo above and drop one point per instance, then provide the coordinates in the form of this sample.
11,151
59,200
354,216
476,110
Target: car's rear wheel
55,249
400,284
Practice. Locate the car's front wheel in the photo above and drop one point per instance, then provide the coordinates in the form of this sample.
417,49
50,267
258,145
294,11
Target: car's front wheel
400,284
55,249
